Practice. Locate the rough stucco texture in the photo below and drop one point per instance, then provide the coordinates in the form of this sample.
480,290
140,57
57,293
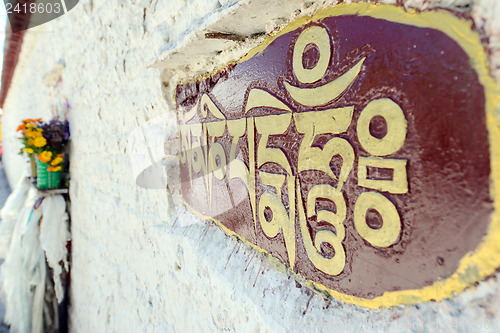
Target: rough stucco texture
140,262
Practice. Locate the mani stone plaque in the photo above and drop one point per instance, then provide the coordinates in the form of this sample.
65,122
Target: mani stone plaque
356,148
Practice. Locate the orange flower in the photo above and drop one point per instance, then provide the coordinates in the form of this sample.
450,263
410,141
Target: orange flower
21,127
30,133
40,142
45,156
55,169
31,121
31,142
56,161
59,155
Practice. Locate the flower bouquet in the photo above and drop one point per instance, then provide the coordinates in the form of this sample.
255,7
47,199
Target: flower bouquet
45,143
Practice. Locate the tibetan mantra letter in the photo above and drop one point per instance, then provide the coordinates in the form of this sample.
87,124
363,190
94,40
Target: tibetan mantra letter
353,147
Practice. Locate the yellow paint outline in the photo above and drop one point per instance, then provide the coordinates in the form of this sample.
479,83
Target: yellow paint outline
475,265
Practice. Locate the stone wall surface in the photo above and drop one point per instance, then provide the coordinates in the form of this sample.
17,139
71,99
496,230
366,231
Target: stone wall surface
140,261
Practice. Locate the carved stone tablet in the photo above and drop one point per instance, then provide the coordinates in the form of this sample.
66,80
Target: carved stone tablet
356,148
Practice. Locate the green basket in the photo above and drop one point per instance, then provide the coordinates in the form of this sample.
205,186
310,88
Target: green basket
47,179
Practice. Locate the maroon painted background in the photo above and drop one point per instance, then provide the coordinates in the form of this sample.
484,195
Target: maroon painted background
446,210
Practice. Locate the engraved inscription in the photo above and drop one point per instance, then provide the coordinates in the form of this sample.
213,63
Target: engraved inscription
269,211
340,149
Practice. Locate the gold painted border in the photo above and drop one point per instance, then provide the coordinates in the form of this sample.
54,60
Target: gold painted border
475,265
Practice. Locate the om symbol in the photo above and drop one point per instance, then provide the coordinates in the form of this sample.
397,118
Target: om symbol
327,121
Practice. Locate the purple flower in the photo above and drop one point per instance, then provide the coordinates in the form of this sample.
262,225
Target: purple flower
56,133
66,130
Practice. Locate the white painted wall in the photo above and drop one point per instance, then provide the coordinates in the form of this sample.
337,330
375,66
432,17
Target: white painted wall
140,262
